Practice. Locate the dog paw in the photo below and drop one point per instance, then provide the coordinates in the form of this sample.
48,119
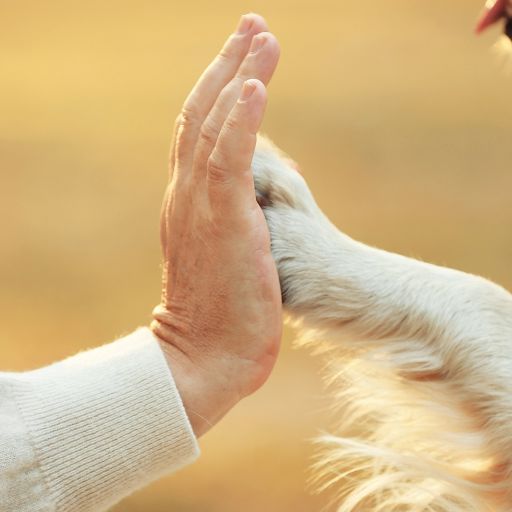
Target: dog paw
300,233
278,183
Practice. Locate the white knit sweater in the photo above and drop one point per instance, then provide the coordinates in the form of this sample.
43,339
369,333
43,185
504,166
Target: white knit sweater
85,432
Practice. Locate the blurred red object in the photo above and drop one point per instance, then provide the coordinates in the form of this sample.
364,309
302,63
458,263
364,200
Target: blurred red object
494,10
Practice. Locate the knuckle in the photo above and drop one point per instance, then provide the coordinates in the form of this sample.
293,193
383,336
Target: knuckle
225,54
217,171
187,117
184,128
232,124
208,135
178,122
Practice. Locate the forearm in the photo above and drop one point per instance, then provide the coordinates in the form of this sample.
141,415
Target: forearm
96,426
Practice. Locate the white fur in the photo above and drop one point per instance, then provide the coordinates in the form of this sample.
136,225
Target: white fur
502,50
420,361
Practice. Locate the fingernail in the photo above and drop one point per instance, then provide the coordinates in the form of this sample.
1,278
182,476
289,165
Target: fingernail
244,25
247,90
257,43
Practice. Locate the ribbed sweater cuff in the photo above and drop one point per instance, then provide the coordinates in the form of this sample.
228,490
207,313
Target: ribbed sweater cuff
105,422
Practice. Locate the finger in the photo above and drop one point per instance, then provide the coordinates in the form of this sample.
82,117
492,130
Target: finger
229,175
210,84
260,63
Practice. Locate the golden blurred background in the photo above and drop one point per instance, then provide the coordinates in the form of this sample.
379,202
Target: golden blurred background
400,119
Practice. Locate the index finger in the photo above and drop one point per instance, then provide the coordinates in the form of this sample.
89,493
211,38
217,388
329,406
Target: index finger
229,173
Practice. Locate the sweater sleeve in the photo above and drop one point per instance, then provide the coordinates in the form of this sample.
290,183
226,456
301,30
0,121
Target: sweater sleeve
83,433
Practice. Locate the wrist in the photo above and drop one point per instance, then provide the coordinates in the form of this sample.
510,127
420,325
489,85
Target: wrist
205,401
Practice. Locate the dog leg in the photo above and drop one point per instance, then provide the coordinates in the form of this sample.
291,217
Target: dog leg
420,348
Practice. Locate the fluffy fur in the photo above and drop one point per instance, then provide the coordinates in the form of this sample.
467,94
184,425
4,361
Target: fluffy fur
503,47
502,50
419,358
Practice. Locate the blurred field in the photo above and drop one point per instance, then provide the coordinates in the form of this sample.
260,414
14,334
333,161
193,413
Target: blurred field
400,119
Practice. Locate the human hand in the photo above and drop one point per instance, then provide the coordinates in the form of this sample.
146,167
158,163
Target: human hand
220,315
